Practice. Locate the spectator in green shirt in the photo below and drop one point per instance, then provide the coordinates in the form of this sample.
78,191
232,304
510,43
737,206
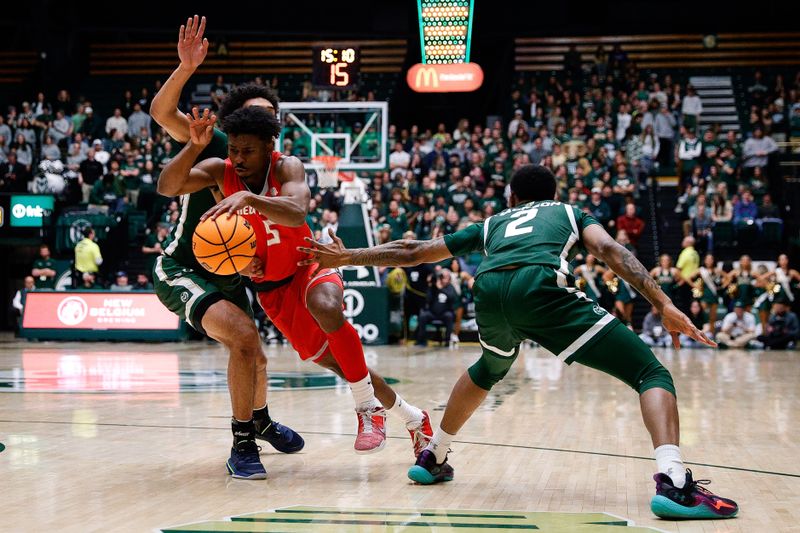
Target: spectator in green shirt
108,191
130,172
154,245
397,221
314,216
44,269
489,198
710,145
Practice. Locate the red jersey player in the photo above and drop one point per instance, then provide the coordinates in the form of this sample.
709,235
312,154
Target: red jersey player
270,190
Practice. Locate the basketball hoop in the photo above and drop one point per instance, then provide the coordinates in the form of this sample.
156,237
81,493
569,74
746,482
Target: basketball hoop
327,167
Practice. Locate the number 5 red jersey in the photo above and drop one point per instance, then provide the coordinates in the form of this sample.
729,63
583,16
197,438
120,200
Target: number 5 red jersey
276,245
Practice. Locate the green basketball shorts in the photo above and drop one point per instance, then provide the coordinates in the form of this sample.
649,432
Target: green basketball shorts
189,293
535,302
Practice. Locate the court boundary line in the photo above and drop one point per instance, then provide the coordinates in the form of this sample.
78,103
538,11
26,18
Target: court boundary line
494,444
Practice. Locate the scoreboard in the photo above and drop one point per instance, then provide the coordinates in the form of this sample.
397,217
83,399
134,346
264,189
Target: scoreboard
335,67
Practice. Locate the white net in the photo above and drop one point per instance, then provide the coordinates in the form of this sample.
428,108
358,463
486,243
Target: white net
327,167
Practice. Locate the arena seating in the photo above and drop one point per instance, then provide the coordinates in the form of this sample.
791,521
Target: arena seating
670,51
15,66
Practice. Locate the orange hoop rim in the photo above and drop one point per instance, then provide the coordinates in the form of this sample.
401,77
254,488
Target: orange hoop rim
329,162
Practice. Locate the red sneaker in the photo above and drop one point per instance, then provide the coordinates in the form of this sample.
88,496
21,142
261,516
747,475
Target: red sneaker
371,430
421,435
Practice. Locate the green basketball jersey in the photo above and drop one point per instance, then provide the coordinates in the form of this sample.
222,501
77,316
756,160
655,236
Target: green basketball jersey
666,281
192,208
536,233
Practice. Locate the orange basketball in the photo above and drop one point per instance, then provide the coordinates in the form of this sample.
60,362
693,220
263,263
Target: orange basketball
224,246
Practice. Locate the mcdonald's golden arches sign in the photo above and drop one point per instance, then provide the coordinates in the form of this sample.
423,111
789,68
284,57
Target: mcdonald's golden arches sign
445,78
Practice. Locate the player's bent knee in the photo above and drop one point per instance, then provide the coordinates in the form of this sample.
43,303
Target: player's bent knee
244,338
622,354
655,376
327,311
488,370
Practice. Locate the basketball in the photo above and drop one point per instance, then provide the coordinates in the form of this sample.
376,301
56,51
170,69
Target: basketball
224,246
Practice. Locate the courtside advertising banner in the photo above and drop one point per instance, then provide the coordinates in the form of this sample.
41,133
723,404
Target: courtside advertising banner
97,311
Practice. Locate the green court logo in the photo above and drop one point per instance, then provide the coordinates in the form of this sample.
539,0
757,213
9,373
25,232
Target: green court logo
300,518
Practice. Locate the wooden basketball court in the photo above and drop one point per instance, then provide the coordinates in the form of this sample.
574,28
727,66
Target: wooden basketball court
134,437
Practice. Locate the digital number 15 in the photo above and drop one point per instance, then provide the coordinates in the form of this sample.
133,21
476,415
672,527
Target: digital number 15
339,76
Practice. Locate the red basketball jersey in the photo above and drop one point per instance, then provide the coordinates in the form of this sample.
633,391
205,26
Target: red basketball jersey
276,245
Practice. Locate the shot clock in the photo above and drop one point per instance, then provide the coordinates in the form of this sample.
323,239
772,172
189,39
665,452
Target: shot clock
335,67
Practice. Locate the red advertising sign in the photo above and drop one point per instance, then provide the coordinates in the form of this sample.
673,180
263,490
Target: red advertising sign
66,371
449,78
97,311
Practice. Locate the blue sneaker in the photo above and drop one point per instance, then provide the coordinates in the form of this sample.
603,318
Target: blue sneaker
427,472
282,438
245,463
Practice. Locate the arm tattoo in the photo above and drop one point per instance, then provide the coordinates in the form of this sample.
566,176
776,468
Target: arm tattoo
639,277
395,253
632,271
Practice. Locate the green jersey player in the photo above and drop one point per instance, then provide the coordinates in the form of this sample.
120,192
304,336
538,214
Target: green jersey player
216,305
524,289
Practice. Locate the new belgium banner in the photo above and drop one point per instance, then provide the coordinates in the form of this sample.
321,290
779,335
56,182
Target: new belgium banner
98,315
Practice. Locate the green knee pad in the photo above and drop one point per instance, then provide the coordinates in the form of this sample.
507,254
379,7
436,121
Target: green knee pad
622,354
490,369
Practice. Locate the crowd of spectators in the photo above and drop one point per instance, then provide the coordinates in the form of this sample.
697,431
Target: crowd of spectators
740,304
107,164
728,181
603,133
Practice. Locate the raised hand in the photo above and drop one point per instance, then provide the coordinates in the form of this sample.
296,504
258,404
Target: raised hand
192,46
676,323
201,127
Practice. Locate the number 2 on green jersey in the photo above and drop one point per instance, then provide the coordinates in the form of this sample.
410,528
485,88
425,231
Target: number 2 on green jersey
514,229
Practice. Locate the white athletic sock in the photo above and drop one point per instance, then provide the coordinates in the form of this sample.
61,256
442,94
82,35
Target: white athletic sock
410,415
364,394
669,461
440,444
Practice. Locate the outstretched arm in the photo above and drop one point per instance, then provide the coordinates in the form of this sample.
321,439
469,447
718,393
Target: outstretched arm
620,260
404,252
192,50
